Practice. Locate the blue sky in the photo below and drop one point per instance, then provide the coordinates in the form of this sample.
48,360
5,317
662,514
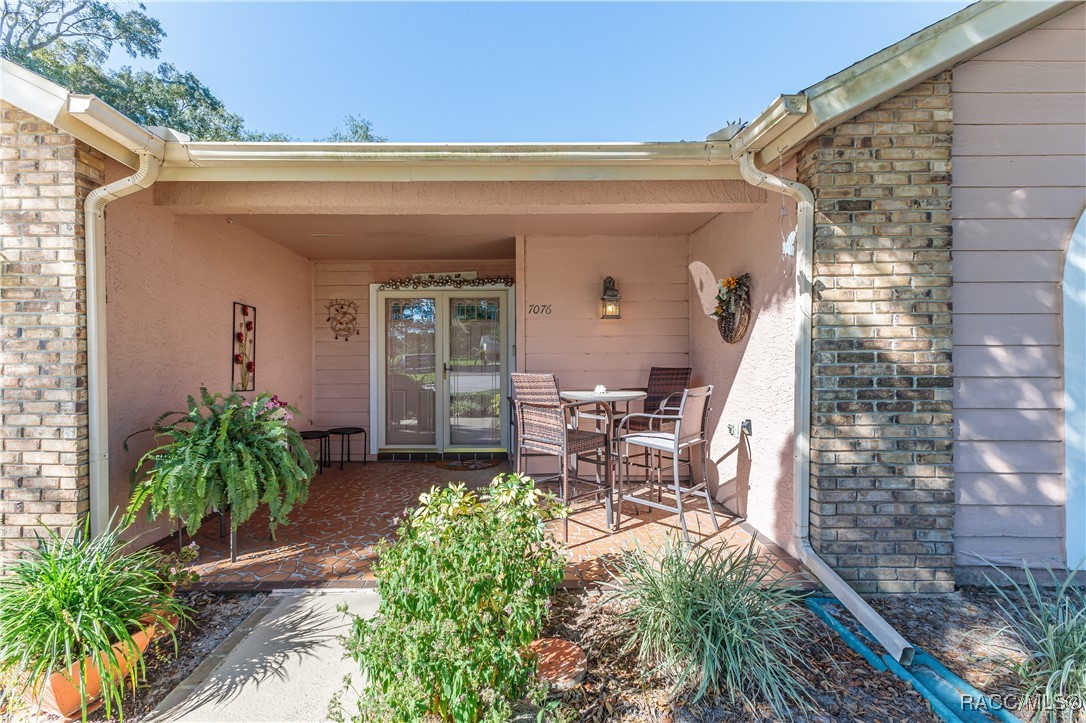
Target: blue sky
505,72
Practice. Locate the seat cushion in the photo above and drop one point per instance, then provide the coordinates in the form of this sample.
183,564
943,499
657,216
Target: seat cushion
653,440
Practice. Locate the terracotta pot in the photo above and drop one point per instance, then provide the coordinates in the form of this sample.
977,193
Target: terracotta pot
60,694
171,618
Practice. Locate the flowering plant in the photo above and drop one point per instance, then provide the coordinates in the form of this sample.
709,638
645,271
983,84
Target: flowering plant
173,567
733,295
465,587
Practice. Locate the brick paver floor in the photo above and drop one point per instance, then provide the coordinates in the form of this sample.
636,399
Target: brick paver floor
330,540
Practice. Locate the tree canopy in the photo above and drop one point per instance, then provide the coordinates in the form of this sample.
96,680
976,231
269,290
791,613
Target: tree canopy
69,42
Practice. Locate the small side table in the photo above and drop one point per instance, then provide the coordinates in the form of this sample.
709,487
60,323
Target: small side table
345,434
324,455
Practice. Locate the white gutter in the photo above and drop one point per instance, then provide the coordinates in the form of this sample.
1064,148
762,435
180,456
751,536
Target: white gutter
97,378
447,162
44,99
206,154
887,636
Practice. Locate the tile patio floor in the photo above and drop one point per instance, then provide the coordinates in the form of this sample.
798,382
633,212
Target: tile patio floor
330,540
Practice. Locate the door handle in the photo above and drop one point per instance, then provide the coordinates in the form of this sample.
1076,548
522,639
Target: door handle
444,371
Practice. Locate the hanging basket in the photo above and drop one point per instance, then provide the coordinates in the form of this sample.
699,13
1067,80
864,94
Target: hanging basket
733,325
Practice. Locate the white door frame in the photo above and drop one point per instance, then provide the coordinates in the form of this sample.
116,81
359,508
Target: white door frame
441,417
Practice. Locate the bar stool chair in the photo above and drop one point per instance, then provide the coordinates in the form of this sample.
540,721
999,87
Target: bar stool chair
674,433
324,453
345,434
544,426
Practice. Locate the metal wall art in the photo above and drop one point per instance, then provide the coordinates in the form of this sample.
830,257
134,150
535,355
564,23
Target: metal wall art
243,369
445,281
343,318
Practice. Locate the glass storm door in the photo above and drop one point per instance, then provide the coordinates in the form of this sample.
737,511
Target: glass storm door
409,384
474,370
443,369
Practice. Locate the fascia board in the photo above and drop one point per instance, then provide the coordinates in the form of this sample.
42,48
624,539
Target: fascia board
446,162
964,35
774,121
961,36
448,172
48,101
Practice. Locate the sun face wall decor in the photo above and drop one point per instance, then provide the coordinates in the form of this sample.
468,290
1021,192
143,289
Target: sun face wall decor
243,363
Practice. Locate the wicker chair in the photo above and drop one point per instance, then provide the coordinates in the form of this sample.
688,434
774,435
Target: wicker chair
672,433
545,425
665,385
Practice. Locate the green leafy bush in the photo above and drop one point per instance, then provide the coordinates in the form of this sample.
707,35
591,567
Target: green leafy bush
73,597
1050,625
464,590
713,621
227,453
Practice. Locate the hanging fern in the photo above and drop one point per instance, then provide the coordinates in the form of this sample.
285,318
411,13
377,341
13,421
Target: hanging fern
227,453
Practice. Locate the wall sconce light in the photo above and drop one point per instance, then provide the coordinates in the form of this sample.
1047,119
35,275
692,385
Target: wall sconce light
611,301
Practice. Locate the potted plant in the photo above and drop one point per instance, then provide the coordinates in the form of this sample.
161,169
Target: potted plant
76,614
226,453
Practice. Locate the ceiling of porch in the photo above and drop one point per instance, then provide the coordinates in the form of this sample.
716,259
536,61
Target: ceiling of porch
355,220
413,237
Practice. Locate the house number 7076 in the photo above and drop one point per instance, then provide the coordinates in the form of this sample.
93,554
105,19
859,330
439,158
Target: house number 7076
539,309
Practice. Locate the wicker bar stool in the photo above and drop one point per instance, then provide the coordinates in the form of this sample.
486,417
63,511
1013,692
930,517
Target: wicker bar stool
544,425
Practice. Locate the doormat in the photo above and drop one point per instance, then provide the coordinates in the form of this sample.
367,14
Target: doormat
467,464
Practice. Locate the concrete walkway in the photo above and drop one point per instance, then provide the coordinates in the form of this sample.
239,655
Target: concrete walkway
284,663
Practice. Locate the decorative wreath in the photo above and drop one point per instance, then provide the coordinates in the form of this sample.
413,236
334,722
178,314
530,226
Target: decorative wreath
732,310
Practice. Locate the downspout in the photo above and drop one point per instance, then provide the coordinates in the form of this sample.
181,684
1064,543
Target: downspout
887,636
97,383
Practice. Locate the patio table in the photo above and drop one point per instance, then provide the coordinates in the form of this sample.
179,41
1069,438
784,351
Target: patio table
607,400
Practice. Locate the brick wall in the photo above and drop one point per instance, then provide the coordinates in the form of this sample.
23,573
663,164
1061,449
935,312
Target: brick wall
881,449
44,177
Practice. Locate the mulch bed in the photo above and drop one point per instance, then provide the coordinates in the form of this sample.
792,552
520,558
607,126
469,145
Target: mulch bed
842,685
215,617
963,631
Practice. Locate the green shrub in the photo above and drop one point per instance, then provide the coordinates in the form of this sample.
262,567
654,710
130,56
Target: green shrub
1050,625
227,453
711,620
464,590
74,597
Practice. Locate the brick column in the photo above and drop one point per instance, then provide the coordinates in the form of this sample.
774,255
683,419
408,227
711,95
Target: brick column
882,500
45,175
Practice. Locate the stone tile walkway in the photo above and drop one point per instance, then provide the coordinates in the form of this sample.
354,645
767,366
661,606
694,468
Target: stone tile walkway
331,539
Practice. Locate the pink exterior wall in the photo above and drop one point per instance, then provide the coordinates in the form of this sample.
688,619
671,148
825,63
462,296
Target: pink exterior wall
342,369
753,379
1019,169
171,283
572,341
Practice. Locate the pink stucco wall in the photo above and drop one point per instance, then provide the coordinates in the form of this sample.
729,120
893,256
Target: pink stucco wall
1019,163
171,283
752,379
